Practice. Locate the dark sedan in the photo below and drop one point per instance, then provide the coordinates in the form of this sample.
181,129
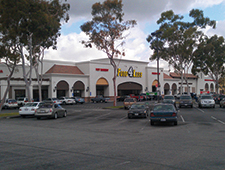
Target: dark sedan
138,110
163,113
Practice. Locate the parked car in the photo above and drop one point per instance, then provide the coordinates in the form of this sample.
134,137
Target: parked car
54,100
10,104
99,98
138,110
169,99
127,103
29,109
121,98
206,101
219,98
177,96
22,101
67,100
50,110
185,100
78,100
162,112
222,102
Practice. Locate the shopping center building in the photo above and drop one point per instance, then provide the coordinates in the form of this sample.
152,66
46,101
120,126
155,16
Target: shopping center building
90,78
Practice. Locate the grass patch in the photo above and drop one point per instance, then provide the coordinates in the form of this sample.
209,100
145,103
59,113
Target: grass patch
113,107
8,114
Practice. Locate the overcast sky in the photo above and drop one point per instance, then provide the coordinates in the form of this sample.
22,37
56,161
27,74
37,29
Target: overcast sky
145,12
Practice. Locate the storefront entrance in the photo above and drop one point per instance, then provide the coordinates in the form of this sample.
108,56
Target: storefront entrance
62,89
129,88
78,89
102,87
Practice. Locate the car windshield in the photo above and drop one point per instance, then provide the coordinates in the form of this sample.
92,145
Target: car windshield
206,97
54,99
30,105
12,101
185,97
137,106
168,97
44,105
163,108
129,100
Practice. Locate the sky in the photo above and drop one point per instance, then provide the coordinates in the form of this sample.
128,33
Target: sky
145,12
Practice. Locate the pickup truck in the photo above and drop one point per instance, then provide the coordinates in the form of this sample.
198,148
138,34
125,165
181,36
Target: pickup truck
99,98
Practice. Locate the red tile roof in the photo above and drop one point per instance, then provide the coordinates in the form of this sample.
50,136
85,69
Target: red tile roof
175,75
165,76
63,69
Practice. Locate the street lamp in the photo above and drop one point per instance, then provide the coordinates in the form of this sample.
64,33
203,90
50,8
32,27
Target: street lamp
156,35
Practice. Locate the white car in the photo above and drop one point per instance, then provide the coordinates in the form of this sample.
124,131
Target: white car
10,104
54,100
67,100
206,101
29,109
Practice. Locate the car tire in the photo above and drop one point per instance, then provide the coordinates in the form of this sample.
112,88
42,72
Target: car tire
55,116
65,114
191,106
151,123
175,123
214,106
129,117
180,106
220,105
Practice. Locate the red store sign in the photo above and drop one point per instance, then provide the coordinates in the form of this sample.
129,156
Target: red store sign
155,73
102,69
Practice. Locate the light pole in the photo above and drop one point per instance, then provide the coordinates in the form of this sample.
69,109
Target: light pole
156,35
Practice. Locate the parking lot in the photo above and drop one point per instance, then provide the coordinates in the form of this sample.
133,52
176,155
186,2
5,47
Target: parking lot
94,138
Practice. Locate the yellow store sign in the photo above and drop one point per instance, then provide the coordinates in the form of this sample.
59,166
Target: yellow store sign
131,73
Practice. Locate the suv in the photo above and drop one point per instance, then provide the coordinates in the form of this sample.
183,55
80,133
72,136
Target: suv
21,101
206,101
67,100
128,102
169,99
185,100
10,103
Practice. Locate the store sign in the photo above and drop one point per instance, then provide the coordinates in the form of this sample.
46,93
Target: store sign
131,73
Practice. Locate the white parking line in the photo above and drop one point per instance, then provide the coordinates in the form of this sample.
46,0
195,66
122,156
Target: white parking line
103,115
200,110
218,120
182,118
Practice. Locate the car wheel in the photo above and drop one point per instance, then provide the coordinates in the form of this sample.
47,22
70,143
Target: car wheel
179,106
175,123
55,116
191,106
65,114
214,106
151,123
220,105
129,117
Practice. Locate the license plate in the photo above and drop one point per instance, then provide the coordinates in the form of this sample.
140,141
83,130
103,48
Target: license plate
136,114
162,120
42,111
185,104
26,109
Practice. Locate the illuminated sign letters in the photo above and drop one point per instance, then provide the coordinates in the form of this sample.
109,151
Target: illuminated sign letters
131,73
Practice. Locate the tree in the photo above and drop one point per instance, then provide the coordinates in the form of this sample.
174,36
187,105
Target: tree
178,40
11,58
31,26
106,31
209,58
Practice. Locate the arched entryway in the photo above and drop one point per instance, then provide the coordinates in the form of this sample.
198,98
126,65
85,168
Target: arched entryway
166,89
62,89
78,89
174,89
211,87
129,88
206,87
155,84
101,86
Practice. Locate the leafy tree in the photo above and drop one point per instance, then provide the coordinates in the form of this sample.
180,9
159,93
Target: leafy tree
11,59
106,31
31,25
209,58
178,40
